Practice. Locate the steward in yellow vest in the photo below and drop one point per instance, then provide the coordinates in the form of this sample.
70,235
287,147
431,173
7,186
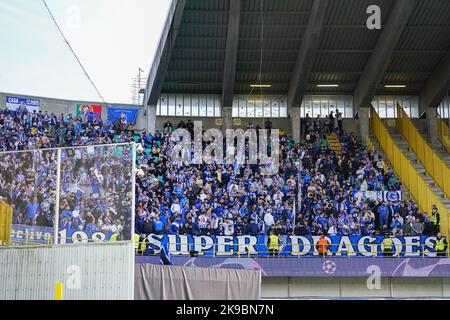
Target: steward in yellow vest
138,245
273,244
435,219
387,246
441,246
114,237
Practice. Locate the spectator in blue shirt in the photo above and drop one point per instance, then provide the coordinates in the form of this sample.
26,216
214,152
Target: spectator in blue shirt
31,211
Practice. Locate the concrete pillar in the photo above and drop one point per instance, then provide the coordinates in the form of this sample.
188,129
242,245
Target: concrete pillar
364,113
151,119
432,125
227,115
295,124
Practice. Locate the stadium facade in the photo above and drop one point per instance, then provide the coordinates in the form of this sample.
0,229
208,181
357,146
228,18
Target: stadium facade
229,63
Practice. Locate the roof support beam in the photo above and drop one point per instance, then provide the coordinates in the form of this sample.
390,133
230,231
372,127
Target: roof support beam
305,59
229,73
380,58
436,86
158,71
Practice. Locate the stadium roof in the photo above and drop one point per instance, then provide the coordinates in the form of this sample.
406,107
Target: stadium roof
214,46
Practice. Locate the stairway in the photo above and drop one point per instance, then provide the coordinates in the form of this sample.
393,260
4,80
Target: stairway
387,164
334,143
437,147
411,156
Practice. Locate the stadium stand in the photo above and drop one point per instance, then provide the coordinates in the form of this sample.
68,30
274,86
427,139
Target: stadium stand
215,199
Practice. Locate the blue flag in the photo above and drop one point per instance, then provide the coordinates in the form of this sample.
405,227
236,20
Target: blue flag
164,254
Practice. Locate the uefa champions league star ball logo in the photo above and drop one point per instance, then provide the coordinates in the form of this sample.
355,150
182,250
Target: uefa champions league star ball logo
329,267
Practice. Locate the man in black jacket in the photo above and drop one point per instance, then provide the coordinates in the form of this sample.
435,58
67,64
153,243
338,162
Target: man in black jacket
252,228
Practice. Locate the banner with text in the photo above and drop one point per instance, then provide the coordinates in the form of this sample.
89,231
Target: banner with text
368,246
14,103
393,196
22,234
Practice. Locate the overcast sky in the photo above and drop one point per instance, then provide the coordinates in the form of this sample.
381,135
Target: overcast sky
112,38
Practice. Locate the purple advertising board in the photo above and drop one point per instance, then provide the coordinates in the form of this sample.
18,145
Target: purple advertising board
320,267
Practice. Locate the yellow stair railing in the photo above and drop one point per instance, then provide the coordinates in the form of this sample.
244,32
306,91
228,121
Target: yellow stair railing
444,134
433,164
408,174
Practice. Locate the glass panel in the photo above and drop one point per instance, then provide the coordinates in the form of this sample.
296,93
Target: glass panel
406,105
28,186
194,105
276,109
210,106
382,108
390,113
308,108
268,107
333,106
283,112
203,104
96,193
218,113
163,104
415,107
316,108
242,108
179,104
218,107
267,110
235,112
171,109
259,109
348,108
324,109
250,109
341,107
275,112
187,105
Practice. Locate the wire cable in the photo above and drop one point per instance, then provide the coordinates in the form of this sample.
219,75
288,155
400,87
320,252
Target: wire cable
73,52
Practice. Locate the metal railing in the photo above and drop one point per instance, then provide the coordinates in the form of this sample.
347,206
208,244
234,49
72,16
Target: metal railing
444,134
410,177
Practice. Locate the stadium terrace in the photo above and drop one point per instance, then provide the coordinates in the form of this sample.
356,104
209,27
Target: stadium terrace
347,194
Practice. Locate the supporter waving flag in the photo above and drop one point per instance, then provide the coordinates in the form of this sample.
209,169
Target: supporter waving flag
164,254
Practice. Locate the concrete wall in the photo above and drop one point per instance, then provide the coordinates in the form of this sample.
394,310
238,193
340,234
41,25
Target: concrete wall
104,271
348,287
421,124
58,106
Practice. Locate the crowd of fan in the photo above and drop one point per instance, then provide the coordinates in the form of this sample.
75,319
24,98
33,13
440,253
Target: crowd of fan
95,182
207,199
